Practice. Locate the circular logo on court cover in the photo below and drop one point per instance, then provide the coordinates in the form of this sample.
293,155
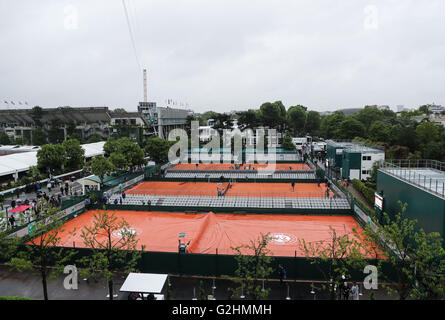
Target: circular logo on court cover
119,233
282,238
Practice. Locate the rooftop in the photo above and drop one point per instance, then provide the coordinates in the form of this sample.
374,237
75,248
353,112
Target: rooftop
425,174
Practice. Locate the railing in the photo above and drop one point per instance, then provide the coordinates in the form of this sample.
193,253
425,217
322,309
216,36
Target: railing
411,172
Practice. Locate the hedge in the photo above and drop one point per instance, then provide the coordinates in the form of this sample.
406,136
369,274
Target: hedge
367,193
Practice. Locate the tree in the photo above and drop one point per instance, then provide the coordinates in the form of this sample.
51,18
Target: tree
296,119
427,132
329,124
114,247
42,253
38,136
119,161
287,142
75,153
350,128
95,138
273,115
51,157
379,131
55,132
100,166
248,119
157,149
36,115
334,258
313,121
368,115
417,258
4,139
253,262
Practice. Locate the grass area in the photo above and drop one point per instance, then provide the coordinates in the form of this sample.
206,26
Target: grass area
14,298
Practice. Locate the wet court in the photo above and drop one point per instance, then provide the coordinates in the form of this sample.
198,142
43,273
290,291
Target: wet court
231,166
237,189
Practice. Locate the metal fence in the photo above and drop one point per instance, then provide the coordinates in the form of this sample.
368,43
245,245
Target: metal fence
428,175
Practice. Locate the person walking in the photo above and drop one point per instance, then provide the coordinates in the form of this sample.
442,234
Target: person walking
346,291
293,186
149,205
281,273
355,291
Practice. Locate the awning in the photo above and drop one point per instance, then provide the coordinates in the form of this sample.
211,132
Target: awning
144,283
20,208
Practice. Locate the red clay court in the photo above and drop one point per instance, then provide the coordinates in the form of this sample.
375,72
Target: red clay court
237,189
231,166
158,231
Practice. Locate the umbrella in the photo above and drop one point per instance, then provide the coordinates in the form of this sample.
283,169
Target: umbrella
20,208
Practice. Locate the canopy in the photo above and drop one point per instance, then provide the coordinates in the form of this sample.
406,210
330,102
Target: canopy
20,208
144,283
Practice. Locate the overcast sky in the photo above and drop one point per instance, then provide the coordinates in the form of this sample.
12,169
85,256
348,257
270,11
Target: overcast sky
223,55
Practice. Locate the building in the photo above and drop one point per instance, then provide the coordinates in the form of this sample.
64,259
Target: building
350,160
160,120
86,122
421,185
435,109
20,123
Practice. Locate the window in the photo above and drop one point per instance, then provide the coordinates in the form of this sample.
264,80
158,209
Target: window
365,171
366,158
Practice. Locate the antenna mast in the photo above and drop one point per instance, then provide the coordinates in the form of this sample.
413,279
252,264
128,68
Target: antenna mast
145,85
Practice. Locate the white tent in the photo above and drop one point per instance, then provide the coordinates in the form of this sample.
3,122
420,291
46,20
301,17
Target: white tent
145,283
20,162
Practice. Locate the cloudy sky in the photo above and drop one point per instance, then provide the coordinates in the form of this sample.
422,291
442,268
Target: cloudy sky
223,55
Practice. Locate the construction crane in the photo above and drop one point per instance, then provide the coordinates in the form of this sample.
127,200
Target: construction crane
145,85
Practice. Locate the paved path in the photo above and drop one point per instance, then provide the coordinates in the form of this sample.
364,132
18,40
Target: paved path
26,284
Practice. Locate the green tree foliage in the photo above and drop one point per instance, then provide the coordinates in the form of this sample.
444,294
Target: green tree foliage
157,149
273,115
296,120
329,125
4,139
36,115
51,157
42,254
100,166
417,258
379,131
75,154
350,128
287,142
119,161
95,138
114,247
313,121
249,119
55,131
427,132
38,137
342,254
253,263
368,115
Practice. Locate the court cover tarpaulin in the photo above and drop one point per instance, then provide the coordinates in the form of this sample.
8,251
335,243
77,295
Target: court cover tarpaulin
158,231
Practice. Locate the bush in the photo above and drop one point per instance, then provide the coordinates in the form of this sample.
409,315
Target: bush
367,192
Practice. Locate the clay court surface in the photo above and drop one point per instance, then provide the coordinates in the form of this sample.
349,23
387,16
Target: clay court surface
158,231
231,166
237,189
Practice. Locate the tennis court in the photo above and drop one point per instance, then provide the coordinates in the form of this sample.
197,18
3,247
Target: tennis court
237,189
158,231
231,166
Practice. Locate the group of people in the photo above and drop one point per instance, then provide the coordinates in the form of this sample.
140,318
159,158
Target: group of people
347,292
